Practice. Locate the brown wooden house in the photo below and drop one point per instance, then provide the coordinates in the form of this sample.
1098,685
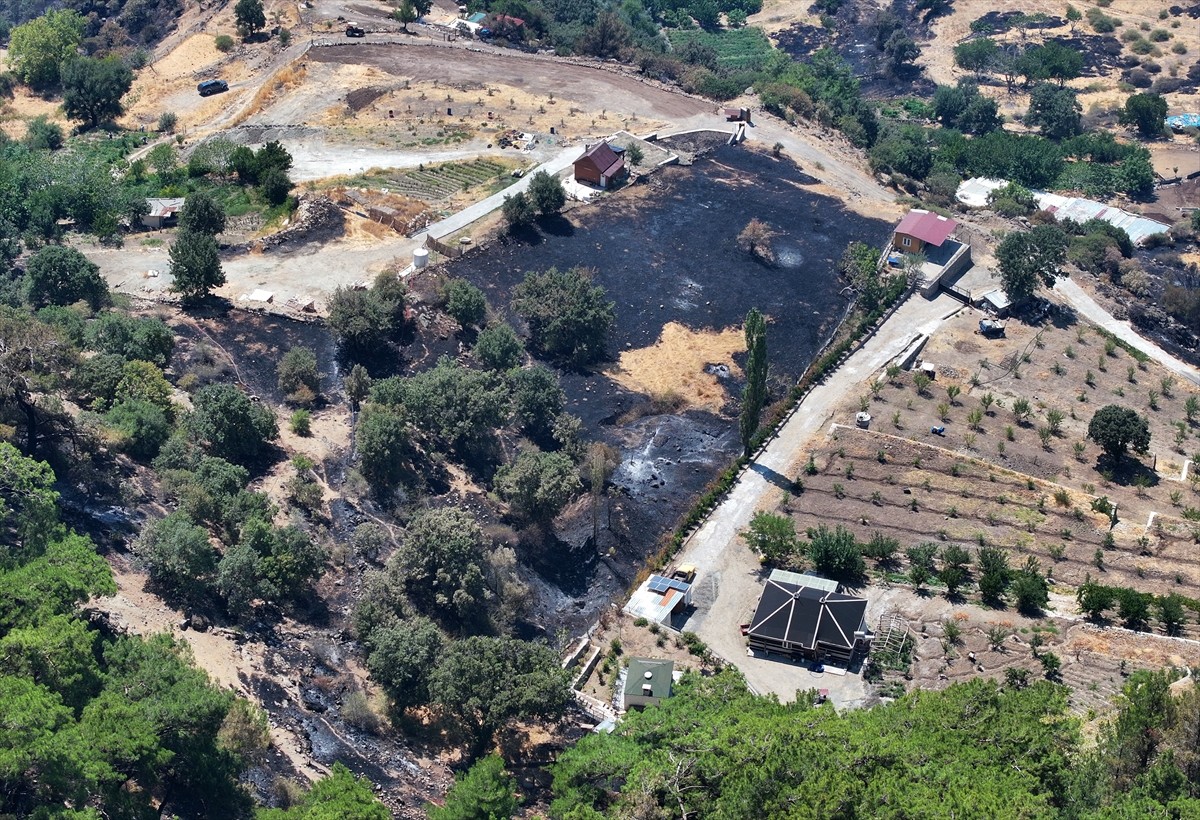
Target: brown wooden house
921,228
599,166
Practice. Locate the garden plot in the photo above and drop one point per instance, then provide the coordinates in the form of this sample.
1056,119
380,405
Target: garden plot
957,641
1014,468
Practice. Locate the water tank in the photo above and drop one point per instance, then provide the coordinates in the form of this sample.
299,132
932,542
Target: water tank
420,257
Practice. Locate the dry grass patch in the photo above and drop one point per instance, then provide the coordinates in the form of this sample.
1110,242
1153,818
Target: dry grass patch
677,364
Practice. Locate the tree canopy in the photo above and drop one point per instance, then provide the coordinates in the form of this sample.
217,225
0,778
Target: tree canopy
931,754
195,265
39,48
1117,428
485,682
1030,259
93,89
230,425
1146,112
568,316
61,275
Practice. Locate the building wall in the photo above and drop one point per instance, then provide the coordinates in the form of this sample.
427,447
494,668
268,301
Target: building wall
915,245
586,173
632,701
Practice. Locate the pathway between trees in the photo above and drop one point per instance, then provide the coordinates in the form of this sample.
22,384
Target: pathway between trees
729,580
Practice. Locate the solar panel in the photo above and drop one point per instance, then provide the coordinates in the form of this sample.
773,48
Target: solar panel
658,584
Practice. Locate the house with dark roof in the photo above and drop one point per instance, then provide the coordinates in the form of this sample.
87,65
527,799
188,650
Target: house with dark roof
599,165
647,681
809,622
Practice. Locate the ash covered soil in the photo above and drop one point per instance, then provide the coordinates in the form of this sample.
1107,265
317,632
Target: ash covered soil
666,251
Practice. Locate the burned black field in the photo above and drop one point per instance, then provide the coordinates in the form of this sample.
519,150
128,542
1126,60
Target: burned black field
666,251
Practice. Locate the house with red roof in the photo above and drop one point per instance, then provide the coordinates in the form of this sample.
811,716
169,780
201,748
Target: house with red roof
599,165
921,229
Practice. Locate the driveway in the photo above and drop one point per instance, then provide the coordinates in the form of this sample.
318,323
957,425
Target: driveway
1088,308
729,578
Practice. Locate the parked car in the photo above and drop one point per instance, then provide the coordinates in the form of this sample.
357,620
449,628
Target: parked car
210,87
355,31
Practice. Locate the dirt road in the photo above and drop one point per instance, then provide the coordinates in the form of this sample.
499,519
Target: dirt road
729,582
1088,308
591,88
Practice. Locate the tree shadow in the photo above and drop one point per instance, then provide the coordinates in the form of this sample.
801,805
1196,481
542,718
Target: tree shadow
1126,470
782,482
556,225
527,235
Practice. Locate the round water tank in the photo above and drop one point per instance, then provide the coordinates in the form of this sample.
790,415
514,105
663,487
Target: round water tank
420,257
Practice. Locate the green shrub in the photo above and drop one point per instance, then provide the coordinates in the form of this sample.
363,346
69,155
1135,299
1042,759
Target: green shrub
224,43
301,423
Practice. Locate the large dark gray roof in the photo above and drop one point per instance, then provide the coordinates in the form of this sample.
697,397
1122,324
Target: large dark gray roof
804,616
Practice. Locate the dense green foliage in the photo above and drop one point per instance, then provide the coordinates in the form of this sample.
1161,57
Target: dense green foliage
773,536
1146,112
1117,428
453,404
38,49
1031,259
366,320
568,317
93,723
465,302
538,485
195,265
498,348
230,425
754,394
973,750
483,792
338,796
929,755
546,193
93,89
59,275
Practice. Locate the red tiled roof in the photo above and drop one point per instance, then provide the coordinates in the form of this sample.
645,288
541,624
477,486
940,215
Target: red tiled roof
603,158
927,226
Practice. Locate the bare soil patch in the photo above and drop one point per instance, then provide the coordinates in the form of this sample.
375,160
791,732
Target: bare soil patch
691,364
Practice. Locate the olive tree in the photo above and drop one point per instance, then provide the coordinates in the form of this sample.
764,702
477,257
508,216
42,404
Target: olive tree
1117,428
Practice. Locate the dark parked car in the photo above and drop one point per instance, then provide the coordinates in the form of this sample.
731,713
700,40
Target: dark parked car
210,87
355,31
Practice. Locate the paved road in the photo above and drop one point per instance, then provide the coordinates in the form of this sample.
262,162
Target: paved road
485,206
728,583
1087,307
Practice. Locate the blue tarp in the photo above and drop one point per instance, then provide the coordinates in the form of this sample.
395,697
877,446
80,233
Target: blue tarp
1184,121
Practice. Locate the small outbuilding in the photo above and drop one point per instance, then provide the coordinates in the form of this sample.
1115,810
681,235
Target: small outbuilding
600,165
164,213
647,682
920,229
809,622
659,598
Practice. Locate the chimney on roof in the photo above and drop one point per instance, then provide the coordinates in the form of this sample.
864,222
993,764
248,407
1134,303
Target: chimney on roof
647,690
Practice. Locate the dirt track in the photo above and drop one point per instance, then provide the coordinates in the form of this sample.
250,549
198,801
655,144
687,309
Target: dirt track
589,87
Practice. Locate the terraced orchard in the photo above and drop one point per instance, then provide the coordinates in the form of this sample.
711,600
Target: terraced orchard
439,183
1014,469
